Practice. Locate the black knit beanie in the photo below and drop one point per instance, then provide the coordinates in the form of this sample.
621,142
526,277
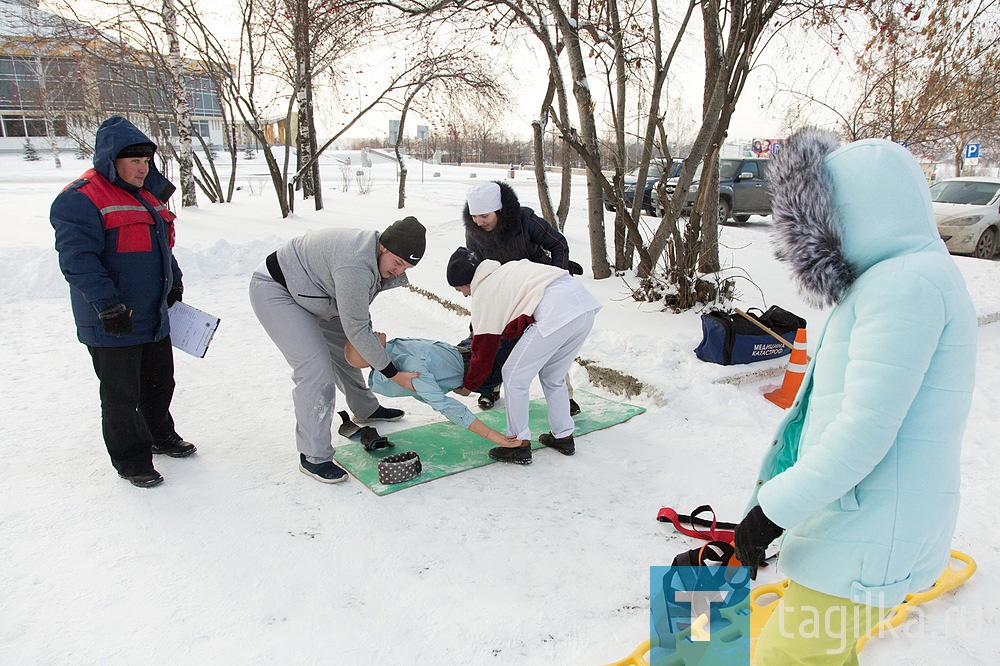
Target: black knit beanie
406,238
462,267
136,150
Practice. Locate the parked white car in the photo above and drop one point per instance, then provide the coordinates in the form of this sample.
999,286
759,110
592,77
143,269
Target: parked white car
967,211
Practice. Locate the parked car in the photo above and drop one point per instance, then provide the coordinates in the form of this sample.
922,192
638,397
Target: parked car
967,211
656,168
743,189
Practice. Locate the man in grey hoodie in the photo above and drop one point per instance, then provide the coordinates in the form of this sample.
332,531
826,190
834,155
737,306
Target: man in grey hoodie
312,296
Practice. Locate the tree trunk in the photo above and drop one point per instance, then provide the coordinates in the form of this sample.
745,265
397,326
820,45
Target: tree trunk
49,113
401,199
303,176
588,137
317,185
182,112
538,153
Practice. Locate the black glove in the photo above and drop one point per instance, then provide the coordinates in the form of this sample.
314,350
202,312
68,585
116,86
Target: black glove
116,320
175,294
753,535
372,441
575,268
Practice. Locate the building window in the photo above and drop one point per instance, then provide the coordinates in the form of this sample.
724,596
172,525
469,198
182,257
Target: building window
202,97
36,126
203,129
19,126
14,126
30,83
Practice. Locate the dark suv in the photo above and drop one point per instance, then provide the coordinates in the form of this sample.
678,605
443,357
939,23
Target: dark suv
656,167
743,189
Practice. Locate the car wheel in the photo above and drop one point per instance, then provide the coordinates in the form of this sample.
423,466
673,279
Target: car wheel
741,218
986,246
724,209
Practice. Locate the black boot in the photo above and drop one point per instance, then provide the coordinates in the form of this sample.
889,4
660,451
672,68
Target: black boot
564,445
143,480
175,448
519,455
487,400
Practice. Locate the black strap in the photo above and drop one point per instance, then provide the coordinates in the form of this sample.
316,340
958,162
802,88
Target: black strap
695,519
275,269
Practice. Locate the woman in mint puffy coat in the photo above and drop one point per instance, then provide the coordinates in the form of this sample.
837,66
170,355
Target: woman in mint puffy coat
863,472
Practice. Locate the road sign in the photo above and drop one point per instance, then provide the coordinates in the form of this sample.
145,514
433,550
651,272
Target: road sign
971,151
422,131
393,131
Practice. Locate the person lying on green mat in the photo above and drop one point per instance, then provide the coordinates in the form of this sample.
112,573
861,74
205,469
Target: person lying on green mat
441,369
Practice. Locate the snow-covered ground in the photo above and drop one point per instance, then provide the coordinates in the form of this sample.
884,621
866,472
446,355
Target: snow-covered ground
239,558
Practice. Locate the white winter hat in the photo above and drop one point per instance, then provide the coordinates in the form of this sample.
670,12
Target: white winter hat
483,198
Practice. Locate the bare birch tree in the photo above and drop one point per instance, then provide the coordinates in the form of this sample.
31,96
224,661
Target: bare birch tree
182,111
141,30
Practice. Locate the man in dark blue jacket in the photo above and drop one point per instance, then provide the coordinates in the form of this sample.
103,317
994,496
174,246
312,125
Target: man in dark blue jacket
114,236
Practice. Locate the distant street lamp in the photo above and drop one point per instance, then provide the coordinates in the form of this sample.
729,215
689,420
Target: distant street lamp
422,134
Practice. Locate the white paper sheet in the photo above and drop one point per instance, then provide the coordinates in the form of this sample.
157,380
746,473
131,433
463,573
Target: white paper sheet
191,329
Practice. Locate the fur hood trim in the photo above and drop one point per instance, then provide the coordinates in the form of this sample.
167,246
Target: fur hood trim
807,233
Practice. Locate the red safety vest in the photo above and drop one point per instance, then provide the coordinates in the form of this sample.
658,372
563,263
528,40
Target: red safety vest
120,210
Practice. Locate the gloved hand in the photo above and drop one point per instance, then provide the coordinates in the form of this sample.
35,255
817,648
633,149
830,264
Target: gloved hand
575,268
116,320
753,535
175,294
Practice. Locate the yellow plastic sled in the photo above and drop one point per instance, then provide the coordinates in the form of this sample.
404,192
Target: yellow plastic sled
949,579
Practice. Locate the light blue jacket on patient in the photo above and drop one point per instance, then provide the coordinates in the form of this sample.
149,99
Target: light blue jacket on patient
441,369
863,472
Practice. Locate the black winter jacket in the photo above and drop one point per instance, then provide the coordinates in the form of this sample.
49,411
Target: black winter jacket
520,234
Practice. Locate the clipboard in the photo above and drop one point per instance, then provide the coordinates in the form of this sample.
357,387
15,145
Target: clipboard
191,330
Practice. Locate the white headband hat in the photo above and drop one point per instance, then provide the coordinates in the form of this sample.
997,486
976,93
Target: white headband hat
483,198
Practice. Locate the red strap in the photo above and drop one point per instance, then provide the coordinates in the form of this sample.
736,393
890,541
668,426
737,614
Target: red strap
713,533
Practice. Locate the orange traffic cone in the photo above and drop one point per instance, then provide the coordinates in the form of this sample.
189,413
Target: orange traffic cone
794,373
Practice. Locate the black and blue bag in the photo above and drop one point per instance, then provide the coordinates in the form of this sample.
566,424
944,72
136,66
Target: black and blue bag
728,338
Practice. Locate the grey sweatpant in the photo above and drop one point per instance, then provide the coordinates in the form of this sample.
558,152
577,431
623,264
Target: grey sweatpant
315,351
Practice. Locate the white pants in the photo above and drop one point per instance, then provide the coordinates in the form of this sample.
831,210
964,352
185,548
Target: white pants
550,358
315,351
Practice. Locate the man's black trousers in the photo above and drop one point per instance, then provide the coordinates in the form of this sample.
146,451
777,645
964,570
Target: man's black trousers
137,384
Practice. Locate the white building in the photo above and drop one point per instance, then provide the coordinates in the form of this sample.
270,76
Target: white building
60,79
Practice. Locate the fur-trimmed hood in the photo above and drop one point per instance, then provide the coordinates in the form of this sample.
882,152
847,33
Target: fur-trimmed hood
114,134
510,219
838,211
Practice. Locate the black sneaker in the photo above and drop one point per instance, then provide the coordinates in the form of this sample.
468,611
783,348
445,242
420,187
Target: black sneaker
382,414
519,455
176,448
143,480
487,400
564,445
324,472
574,408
